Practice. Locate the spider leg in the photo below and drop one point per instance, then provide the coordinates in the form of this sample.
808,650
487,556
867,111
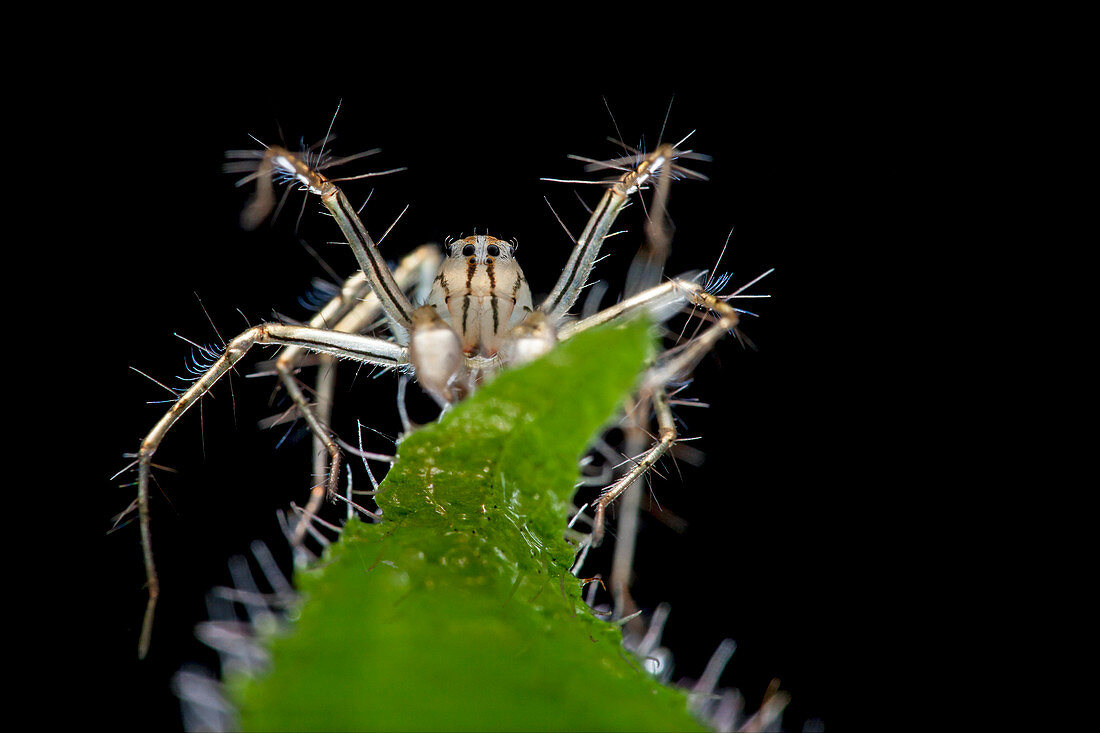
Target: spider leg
355,292
675,364
668,367
660,302
666,437
659,163
360,348
352,311
280,162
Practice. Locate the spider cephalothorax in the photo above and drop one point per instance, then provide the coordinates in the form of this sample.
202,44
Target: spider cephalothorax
481,292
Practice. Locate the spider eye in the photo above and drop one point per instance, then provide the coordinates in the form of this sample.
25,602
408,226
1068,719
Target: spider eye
468,250
493,250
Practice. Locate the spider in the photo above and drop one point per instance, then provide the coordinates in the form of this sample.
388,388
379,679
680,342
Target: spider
455,317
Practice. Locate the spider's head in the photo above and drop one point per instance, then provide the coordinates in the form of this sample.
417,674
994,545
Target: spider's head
481,291
481,249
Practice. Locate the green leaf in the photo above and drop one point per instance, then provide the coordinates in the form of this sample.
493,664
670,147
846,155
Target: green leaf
458,610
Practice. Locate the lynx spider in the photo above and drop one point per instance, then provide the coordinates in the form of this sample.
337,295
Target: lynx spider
476,319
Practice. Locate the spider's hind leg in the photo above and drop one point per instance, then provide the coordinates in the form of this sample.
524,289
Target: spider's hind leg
665,438
353,310
669,367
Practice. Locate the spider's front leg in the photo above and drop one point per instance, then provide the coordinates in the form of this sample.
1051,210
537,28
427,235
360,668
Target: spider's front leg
659,164
351,346
280,162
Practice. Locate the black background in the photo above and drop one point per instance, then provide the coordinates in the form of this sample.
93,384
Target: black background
769,552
